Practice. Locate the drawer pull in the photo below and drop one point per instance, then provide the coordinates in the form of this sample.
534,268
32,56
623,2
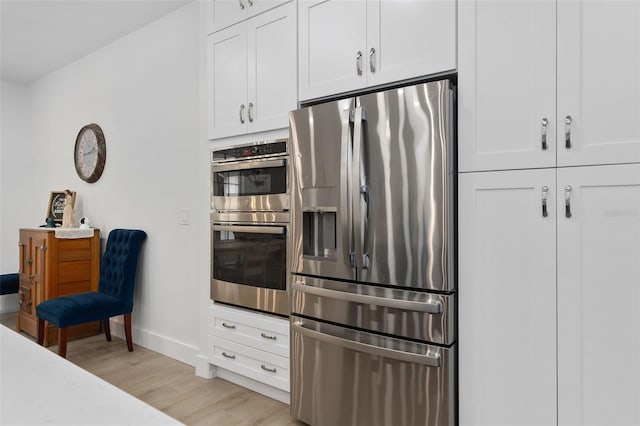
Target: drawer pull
229,326
267,369
226,355
266,336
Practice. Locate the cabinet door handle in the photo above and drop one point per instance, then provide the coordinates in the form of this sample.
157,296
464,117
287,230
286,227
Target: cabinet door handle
372,60
545,193
229,326
226,355
242,113
567,201
29,261
266,336
567,131
545,124
241,4
249,112
250,3
270,370
359,63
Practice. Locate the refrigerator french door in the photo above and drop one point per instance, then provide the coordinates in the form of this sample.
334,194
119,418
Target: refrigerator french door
373,293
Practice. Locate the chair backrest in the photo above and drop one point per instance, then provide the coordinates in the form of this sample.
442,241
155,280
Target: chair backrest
119,263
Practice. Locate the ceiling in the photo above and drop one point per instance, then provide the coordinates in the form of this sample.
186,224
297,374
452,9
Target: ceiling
41,36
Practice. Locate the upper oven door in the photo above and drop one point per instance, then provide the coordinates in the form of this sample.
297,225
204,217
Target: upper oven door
250,185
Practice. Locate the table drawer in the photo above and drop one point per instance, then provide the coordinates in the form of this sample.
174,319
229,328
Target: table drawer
258,365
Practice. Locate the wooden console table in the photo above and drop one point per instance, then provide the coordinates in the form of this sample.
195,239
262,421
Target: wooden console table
52,267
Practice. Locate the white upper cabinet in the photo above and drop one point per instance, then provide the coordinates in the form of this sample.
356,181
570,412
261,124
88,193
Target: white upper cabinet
223,13
349,45
252,74
513,110
599,295
598,82
507,84
507,298
332,40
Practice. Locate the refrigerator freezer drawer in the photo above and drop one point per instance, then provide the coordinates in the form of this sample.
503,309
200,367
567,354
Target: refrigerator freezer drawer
342,376
416,315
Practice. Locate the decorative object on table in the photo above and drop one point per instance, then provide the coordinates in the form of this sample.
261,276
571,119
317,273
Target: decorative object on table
56,205
84,222
49,222
68,212
90,153
114,296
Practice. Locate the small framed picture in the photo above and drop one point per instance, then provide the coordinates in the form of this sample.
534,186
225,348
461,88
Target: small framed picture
56,205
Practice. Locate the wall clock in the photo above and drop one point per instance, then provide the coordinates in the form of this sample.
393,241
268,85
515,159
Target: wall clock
90,153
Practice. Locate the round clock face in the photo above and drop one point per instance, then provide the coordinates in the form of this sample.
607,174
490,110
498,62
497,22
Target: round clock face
90,153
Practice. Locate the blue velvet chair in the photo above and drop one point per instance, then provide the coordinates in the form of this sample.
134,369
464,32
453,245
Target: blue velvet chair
114,295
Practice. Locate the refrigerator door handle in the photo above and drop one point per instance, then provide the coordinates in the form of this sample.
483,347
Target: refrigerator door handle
432,307
345,183
429,358
357,189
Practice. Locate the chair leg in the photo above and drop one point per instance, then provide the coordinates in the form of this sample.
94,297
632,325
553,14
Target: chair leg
127,331
40,331
62,342
107,329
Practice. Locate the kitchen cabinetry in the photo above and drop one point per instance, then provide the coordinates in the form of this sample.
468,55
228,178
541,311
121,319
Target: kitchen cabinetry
52,267
345,46
252,74
223,13
509,79
508,258
507,298
250,344
599,296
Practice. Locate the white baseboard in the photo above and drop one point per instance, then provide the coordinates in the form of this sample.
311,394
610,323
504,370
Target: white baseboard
261,388
9,303
170,347
203,368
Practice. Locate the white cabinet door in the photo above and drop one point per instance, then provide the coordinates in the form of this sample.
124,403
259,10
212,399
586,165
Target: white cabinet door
598,81
227,75
331,35
272,72
507,298
506,77
599,296
409,38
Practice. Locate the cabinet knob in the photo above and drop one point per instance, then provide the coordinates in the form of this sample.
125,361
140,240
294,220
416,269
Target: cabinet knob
29,261
545,124
359,63
372,60
249,112
567,131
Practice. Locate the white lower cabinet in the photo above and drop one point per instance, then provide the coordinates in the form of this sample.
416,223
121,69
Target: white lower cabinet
528,281
507,298
250,344
599,296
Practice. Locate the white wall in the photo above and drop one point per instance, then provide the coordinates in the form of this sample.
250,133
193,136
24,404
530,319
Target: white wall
143,91
15,138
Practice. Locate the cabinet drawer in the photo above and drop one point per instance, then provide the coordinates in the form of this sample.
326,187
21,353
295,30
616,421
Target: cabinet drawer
262,332
258,365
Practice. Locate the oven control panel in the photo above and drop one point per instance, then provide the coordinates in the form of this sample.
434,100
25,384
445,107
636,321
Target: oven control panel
250,151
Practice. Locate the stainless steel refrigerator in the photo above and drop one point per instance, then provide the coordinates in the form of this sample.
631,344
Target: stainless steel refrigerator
373,324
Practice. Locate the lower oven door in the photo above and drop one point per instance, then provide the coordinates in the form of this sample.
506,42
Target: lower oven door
343,376
249,266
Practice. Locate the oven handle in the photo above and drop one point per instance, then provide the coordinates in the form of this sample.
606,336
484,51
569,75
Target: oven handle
246,165
277,230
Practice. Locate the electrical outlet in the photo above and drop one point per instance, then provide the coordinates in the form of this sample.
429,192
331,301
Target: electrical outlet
184,217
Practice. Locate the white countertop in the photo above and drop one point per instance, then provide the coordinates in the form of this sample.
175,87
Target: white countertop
39,387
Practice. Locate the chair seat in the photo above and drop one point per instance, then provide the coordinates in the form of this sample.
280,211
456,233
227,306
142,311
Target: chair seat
80,308
9,283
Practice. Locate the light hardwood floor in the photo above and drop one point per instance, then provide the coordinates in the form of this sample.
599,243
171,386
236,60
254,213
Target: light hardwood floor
170,385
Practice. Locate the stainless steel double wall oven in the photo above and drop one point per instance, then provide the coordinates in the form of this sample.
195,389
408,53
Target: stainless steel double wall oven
250,203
